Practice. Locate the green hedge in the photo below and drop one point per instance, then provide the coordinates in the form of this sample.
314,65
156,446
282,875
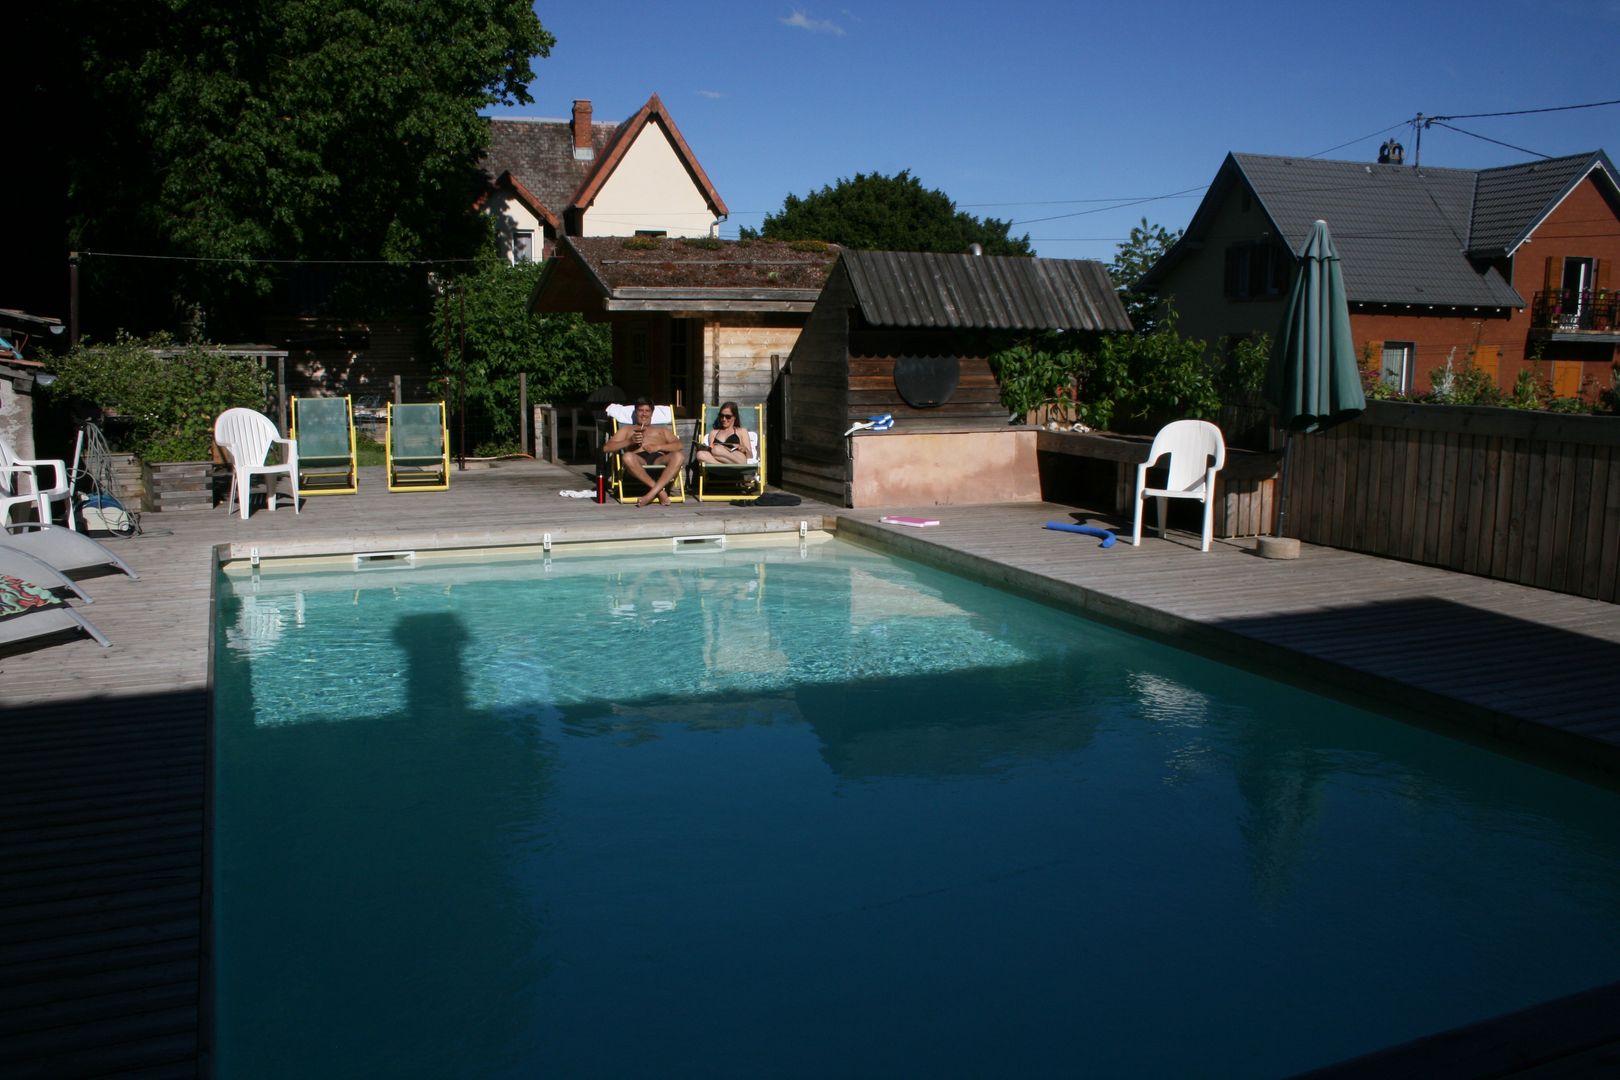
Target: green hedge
166,405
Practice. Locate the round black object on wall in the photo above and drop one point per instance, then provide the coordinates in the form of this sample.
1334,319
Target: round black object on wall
926,381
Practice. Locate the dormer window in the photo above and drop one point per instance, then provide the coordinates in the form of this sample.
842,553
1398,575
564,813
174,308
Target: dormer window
523,246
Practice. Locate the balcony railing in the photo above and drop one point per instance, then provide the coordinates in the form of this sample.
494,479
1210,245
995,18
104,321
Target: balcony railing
1569,311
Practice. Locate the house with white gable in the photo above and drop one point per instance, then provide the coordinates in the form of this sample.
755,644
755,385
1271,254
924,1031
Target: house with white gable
547,178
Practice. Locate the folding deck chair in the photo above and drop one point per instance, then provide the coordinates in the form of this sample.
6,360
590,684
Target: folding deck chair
626,488
721,483
418,447
323,428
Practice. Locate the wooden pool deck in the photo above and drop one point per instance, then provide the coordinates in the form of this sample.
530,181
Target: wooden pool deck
103,752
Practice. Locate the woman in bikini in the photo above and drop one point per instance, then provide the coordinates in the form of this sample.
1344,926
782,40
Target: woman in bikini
729,443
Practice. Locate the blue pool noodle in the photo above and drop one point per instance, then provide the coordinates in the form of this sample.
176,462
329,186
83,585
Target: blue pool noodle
1108,538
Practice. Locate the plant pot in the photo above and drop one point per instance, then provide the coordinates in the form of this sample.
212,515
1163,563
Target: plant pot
178,485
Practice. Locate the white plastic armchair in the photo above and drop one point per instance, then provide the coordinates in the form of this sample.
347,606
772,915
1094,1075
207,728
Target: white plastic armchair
248,439
22,482
1197,452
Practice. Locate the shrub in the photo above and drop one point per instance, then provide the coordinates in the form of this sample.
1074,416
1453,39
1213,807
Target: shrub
167,404
1030,373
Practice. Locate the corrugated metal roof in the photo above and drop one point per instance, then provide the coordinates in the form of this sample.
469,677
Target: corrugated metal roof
983,292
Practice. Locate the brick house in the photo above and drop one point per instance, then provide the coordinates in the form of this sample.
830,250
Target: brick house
542,179
1506,268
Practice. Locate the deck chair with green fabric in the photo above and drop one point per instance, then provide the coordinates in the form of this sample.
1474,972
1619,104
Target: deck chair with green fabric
323,428
722,482
626,488
418,447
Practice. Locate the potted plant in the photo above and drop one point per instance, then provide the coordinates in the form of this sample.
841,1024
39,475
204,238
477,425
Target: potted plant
165,398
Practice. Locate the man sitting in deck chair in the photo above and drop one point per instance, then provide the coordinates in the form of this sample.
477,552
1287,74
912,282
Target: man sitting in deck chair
642,444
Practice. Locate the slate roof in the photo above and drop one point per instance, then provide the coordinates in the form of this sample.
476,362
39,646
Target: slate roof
1513,199
540,155
1405,235
736,275
983,292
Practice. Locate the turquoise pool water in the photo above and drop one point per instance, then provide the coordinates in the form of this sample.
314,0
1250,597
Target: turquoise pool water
818,812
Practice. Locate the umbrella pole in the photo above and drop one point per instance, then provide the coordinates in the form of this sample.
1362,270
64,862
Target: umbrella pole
1282,482
1277,547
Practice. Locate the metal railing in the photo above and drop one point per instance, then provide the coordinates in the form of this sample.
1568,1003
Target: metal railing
1568,310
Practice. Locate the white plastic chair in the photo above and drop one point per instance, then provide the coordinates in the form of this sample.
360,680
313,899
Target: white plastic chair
1191,444
20,484
247,439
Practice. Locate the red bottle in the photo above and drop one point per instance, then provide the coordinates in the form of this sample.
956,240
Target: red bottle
601,488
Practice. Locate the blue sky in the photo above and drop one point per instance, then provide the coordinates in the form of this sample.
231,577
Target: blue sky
1052,114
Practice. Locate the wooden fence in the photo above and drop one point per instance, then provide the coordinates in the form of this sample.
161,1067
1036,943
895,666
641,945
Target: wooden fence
1527,497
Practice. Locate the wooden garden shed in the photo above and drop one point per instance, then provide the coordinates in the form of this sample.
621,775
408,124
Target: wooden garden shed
694,320
910,334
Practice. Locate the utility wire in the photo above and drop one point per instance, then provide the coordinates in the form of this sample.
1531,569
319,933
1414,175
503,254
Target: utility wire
1474,135
1364,138
289,262
1114,206
1523,112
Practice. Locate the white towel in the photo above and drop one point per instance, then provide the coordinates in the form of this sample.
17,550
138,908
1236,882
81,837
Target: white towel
626,414
584,494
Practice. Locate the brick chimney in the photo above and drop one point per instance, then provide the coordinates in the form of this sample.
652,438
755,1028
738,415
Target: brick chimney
582,131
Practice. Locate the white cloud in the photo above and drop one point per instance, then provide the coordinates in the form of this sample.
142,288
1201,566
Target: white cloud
710,94
817,26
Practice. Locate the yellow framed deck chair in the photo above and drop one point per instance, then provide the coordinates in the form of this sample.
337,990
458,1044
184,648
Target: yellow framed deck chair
722,483
626,488
323,428
418,447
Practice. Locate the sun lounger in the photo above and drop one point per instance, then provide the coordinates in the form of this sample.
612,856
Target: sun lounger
20,564
29,611
64,549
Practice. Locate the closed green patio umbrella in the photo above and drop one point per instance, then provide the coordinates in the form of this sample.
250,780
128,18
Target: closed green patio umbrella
1314,377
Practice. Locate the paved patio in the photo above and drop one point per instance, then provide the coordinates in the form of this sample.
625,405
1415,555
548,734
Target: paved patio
103,775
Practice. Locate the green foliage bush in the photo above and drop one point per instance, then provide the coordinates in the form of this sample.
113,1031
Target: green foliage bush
564,356
167,404
1145,377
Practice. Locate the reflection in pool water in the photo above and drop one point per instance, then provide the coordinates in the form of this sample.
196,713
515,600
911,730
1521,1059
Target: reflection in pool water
784,812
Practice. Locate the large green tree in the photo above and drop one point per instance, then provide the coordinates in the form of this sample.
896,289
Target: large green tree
1134,257
874,212
225,132
485,336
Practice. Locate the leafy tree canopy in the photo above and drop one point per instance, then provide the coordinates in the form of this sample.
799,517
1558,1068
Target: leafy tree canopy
1134,258
285,129
874,212
485,335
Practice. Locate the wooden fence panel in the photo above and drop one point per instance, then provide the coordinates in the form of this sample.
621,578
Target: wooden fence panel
1527,497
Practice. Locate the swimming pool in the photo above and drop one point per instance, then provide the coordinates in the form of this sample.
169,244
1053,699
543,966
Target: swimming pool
803,811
